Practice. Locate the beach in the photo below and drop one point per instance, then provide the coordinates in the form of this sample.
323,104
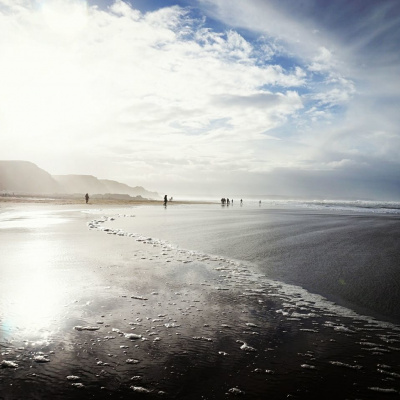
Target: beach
197,301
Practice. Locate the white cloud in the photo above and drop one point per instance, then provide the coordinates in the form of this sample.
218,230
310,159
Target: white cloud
118,76
344,163
162,97
333,97
322,61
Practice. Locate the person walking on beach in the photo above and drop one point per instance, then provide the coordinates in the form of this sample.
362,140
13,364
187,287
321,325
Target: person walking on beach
165,200
87,197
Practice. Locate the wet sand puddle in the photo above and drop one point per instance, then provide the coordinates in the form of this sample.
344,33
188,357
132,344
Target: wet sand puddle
183,324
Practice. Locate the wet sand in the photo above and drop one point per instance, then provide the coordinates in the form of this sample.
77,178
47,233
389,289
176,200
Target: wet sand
90,311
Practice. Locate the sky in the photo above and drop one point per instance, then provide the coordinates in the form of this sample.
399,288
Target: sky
206,97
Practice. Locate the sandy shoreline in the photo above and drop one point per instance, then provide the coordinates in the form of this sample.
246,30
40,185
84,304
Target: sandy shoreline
10,200
89,311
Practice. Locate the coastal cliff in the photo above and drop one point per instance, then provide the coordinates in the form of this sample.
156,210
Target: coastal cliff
24,177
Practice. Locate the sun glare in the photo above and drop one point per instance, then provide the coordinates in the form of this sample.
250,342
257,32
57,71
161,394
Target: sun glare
34,296
35,304
65,17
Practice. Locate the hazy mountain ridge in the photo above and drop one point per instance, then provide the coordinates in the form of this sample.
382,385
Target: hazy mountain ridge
27,178
118,187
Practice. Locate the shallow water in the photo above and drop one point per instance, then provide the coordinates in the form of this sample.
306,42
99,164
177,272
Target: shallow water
351,258
136,315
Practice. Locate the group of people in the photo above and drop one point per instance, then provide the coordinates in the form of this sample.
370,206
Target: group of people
225,201
228,202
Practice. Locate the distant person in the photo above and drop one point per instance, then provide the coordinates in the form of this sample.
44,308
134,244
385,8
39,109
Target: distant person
165,200
241,202
227,202
171,198
87,197
259,203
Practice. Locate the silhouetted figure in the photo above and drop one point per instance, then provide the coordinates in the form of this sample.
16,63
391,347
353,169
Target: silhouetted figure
259,203
87,197
223,200
241,202
165,200
228,202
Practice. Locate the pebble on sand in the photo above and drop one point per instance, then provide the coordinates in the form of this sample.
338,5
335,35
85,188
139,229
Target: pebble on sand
140,389
8,364
86,328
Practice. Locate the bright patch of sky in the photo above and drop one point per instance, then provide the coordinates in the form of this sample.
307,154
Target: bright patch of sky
201,96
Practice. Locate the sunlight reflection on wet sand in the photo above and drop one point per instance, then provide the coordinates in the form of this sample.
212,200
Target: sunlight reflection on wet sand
29,220
32,291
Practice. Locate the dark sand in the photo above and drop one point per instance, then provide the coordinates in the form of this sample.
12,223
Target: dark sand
73,297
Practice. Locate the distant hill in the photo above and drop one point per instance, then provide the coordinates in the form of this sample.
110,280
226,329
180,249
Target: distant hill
117,187
24,177
90,184
79,184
